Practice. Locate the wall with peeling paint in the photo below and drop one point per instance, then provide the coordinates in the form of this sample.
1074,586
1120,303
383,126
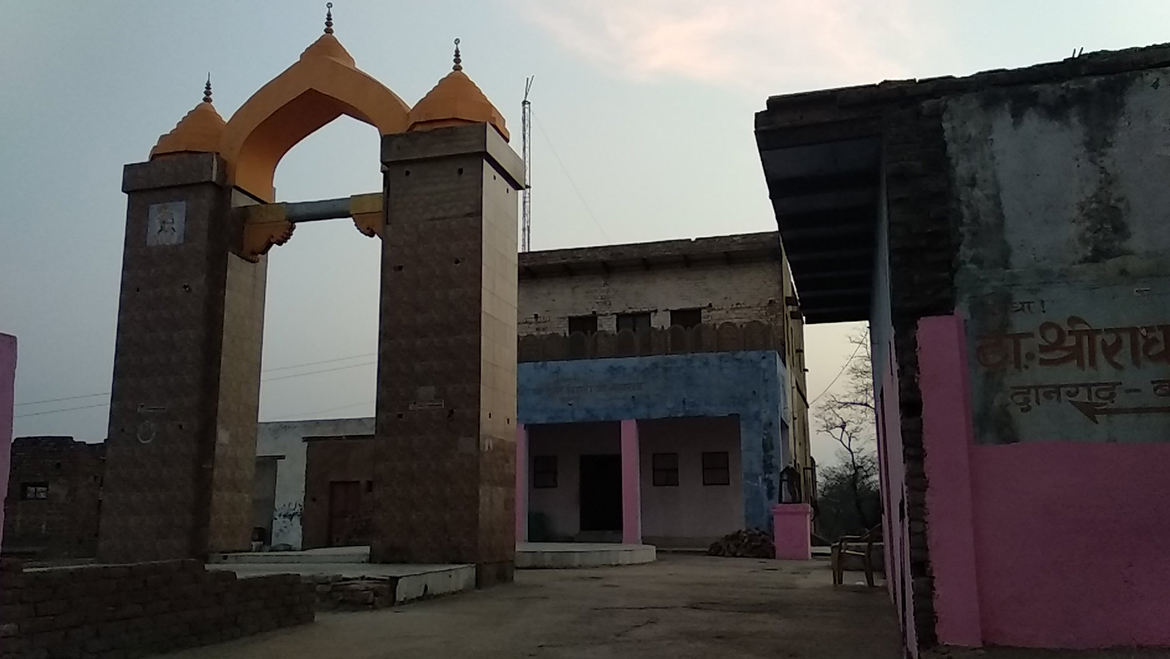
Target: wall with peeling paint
1063,201
1046,397
285,441
749,384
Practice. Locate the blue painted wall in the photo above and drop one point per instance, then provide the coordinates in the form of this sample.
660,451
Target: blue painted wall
748,384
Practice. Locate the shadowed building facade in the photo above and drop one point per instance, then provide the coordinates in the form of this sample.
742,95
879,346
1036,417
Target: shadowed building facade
1005,236
201,218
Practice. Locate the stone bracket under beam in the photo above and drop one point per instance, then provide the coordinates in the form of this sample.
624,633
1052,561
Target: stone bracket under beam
269,225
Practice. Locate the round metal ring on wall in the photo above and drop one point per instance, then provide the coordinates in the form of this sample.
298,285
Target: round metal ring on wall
146,432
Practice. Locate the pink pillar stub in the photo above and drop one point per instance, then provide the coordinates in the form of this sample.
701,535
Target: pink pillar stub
631,485
792,528
7,389
521,483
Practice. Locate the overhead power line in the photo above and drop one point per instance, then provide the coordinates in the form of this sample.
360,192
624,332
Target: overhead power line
67,409
839,374
569,176
270,370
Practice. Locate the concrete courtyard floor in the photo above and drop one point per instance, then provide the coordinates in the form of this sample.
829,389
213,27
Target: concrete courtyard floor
681,606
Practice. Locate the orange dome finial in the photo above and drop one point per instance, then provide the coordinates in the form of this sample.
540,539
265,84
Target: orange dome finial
454,101
328,18
198,132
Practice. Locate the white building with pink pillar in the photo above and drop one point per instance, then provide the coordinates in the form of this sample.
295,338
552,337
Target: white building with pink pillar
654,391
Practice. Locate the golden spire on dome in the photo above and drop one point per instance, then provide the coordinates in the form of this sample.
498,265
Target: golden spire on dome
455,101
198,132
328,18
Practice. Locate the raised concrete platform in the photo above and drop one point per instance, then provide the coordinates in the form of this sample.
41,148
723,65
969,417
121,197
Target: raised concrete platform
332,555
541,555
344,575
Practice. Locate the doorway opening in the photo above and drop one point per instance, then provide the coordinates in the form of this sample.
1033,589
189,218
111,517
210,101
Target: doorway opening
601,494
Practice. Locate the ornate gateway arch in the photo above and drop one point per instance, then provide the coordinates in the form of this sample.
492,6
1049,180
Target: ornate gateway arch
200,220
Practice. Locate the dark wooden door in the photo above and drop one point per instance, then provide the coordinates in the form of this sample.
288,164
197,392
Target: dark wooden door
601,492
345,512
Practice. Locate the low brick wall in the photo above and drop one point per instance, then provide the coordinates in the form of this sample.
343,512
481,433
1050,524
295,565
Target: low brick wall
138,609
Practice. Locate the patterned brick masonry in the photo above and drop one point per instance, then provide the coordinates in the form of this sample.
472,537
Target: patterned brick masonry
180,457
446,413
141,608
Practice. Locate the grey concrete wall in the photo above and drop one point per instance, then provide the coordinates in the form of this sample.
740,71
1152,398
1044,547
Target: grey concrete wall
286,440
736,293
1062,193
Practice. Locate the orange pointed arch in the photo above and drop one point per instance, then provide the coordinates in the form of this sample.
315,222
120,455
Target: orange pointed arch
323,85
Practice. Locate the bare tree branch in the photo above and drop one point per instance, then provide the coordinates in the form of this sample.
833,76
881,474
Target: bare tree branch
849,418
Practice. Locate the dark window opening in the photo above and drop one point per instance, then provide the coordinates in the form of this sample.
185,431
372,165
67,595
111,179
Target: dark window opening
585,324
665,468
716,469
633,321
687,318
34,491
544,471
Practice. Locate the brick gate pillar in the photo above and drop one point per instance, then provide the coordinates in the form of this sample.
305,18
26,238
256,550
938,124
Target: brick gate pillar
521,484
446,415
181,447
7,387
631,485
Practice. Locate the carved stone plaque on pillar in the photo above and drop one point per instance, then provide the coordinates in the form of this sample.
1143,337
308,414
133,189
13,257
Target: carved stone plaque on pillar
166,224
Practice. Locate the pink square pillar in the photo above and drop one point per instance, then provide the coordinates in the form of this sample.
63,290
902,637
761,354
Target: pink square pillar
7,387
521,483
631,485
792,531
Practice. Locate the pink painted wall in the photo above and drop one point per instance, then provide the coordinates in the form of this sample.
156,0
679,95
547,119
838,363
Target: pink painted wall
947,437
7,386
893,472
1069,539
631,485
792,523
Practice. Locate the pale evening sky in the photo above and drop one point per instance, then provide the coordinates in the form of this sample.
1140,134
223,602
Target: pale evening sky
646,104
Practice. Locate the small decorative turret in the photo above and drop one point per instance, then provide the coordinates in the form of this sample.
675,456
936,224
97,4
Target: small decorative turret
455,101
198,132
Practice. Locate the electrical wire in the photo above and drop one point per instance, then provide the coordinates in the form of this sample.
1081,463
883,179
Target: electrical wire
283,377
568,176
839,374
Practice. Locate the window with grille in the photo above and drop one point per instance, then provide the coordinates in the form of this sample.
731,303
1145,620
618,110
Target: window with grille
716,469
665,468
544,471
633,321
687,318
34,491
585,324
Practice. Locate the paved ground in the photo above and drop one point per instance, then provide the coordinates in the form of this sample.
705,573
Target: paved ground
679,607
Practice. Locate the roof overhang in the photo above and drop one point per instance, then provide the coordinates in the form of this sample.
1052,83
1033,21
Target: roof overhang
824,182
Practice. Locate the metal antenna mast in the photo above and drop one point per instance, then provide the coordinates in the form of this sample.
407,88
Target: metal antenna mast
526,132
